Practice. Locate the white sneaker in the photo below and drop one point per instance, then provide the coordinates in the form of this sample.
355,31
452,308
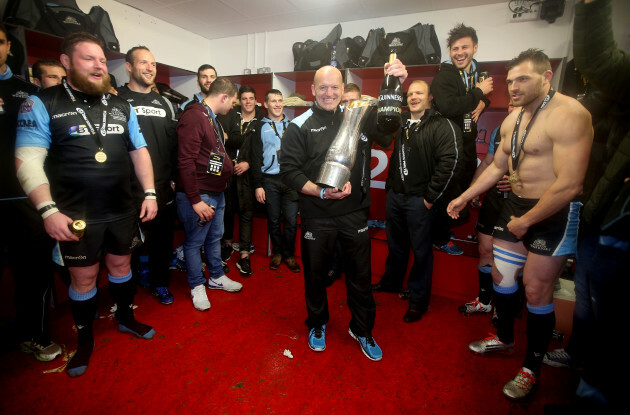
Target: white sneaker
200,298
224,283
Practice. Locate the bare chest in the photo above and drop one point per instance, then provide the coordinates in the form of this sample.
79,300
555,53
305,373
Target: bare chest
531,138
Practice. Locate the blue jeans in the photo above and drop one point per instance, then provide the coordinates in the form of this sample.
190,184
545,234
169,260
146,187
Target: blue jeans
281,204
208,236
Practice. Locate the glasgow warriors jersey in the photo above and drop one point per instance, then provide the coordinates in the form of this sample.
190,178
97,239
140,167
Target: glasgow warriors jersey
159,126
82,186
13,92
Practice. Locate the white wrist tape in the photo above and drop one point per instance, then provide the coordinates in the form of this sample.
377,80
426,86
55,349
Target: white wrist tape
150,194
31,172
46,208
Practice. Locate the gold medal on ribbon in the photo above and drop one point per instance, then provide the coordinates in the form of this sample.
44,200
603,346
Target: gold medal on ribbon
100,156
513,179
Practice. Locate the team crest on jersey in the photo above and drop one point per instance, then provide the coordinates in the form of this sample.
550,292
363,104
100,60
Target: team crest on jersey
27,106
156,102
118,115
309,236
20,94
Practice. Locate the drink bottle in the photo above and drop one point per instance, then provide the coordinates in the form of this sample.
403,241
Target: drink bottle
390,102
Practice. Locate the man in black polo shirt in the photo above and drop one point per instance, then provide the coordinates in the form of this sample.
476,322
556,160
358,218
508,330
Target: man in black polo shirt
90,142
158,124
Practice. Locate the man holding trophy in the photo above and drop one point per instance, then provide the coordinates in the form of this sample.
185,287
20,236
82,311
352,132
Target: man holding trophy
323,138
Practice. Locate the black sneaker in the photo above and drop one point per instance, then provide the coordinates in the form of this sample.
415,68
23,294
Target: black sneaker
226,252
244,266
226,269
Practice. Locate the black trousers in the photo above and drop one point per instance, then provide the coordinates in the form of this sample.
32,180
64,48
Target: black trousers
409,226
29,256
159,235
239,199
318,243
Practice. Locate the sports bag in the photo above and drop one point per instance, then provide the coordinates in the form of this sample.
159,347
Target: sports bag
417,45
374,38
349,51
403,43
58,18
311,55
102,27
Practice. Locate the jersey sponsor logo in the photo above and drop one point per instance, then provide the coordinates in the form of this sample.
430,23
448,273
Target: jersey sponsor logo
82,130
309,236
498,228
27,123
150,112
156,102
317,130
64,114
20,94
27,106
118,115
362,230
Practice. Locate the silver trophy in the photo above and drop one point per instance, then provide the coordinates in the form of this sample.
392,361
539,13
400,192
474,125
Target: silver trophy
335,171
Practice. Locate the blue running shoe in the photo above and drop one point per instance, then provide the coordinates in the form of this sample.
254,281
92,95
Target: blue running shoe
450,248
368,346
141,330
163,295
144,277
317,338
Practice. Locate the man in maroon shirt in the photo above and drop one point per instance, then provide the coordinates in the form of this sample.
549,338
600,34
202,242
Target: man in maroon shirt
204,171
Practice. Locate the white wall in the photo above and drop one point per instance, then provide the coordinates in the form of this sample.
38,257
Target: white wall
498,39
169,44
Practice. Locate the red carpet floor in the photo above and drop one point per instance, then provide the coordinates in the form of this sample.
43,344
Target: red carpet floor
230,359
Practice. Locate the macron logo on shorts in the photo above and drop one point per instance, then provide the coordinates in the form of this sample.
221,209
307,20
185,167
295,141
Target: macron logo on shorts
309,236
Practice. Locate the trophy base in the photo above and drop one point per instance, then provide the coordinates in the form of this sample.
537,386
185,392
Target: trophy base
333,175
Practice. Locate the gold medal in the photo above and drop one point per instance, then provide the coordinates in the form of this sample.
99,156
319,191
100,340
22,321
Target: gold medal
100,156
513,179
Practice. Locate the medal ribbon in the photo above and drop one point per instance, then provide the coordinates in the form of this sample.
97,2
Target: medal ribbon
218,129
93,131
403,154
514,155
275,130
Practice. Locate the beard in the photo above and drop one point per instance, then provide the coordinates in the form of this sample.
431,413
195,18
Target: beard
141,80
205,91
531,96
83,84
